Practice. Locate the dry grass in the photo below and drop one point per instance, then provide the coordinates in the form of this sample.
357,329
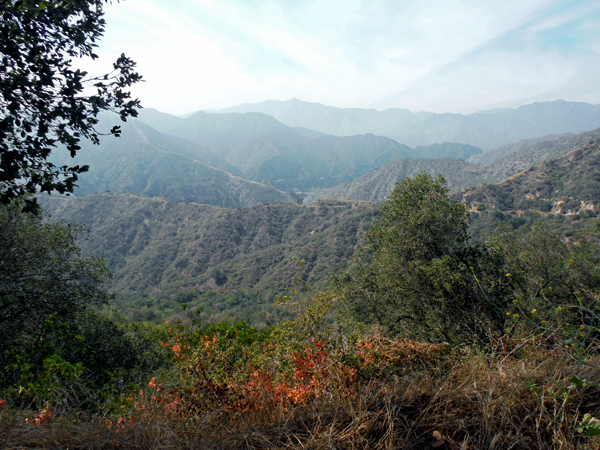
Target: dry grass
481,401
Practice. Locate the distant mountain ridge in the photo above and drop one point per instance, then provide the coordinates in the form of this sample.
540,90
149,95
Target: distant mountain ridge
246,159
484,129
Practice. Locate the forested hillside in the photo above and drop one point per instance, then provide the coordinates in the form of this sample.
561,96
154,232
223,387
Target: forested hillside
565,190
153,245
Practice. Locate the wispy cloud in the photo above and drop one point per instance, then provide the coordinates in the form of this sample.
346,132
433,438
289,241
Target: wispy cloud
438,55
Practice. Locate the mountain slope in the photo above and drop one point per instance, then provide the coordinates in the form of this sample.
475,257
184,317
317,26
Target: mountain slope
566,185
498,153
147,162
564,192
538,152
297,159
264,150
158,120
448,150
378,184
153,245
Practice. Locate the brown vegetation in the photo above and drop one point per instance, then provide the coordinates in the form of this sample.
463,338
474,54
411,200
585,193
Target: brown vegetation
520,394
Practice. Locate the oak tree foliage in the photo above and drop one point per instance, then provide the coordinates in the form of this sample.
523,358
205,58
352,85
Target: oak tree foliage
56,345
43,274
44,100
418,275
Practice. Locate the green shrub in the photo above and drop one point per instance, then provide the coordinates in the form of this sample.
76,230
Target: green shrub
54,346
42,273
554,286
80,363
418,276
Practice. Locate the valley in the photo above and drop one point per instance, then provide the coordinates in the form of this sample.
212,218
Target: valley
173,205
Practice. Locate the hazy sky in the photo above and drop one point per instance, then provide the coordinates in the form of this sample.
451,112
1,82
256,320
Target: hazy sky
433,55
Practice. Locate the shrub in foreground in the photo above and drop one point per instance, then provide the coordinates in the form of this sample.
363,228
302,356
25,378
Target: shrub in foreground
522,394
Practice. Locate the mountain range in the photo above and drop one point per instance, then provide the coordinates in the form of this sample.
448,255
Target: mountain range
484,129
153,245
159,249
296,159
232,160
145,161
246,159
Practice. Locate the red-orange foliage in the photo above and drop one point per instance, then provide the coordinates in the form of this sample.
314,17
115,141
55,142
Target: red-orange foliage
211,378
44,417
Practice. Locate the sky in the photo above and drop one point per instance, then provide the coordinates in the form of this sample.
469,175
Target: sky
422,55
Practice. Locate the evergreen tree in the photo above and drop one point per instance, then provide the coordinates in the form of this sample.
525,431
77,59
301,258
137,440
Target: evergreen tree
42,274
418,275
